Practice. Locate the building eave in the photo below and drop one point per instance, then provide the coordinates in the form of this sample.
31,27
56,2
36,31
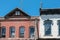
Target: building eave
50,11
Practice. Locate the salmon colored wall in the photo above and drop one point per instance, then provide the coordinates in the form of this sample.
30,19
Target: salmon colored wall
17,24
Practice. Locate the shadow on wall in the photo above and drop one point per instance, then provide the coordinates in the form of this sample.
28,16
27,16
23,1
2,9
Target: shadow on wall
44,17
49,39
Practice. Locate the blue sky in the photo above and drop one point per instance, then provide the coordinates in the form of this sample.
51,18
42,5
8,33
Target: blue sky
31,7
50,3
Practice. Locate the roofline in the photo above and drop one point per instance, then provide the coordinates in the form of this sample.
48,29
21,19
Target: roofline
13,10
49,8
49,11
33,17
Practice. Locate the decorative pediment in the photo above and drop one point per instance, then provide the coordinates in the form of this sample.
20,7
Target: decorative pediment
16,13
47,21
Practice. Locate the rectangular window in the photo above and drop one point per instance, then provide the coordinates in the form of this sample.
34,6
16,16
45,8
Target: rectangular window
47,29
2,32
47,24
59,27
17,13
32,30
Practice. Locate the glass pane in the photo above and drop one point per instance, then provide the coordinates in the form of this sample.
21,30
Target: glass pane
59,29
21,31
0,32
3,31
32,30
59,26
12,31
47,28
17,13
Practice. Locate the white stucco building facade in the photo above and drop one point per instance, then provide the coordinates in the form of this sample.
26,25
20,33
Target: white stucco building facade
52,15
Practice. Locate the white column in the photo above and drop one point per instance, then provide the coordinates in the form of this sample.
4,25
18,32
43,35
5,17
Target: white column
54,28
41,28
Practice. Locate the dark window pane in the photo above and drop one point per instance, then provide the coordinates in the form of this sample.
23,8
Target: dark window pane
21,32
47,27
59,30
32,30
12,31
0,32
59,26
3,32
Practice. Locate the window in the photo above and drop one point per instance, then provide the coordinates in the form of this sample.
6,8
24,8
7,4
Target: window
2,32
59,26
47,24
17,13
21,31
32,30
12,31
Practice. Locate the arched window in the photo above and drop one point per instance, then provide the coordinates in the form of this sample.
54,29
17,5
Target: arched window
31,31
21,31
3,32
12,31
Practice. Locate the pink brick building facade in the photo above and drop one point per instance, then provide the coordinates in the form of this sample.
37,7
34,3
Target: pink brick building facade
19,25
